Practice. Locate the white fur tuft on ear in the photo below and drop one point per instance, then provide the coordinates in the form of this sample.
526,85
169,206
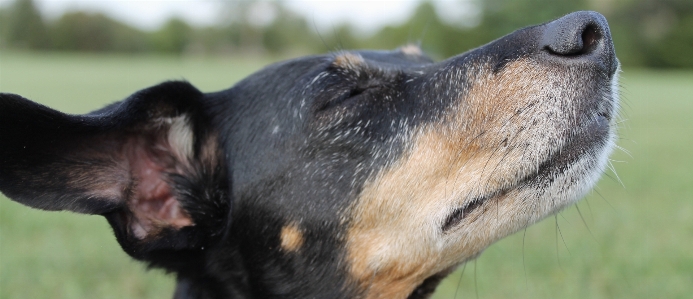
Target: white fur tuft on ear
180,137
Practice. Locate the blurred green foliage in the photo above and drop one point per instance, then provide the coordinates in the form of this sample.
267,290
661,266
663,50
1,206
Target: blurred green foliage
23,26
173,37
657,33
648,33
79,31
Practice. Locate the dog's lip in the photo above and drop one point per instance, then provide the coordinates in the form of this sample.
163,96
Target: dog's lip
581,143
587,137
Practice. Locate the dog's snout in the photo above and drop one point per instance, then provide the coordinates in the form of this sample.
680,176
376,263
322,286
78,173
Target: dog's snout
582,35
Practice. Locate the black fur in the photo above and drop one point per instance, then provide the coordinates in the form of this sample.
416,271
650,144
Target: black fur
294,143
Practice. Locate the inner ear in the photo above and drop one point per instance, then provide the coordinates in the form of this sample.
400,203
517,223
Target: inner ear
156,154
151,164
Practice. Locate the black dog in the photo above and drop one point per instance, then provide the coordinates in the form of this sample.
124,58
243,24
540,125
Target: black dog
352,175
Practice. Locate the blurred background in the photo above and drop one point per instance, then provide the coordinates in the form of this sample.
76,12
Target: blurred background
631,238
647,33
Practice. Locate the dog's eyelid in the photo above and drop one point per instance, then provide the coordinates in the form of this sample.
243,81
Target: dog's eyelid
348,94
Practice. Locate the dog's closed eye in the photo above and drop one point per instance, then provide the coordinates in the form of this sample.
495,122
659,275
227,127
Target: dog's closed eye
348,97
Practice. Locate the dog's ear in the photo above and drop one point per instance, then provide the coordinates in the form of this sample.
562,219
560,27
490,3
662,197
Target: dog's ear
151,164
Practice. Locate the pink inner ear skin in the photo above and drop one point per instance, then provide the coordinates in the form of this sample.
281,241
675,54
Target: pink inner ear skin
152,202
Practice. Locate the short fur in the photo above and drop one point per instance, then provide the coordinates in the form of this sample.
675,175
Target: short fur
359,174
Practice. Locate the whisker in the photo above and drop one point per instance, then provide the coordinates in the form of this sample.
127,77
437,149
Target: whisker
558,256
566,220
558,227
459,282
585,223
613,169
618,161
589,207
476,286
621,121
627,152
524,265
600,195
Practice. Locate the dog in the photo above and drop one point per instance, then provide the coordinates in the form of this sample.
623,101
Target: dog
356,174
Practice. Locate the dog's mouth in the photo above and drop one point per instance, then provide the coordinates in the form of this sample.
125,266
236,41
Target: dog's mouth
585,141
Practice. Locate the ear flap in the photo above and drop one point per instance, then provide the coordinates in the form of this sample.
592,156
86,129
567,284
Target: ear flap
151,164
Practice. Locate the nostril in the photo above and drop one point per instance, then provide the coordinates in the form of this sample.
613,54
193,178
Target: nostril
581,43
580,37
578,33
590,39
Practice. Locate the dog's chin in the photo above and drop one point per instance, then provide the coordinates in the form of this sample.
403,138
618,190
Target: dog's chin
560,179
587,142
568,175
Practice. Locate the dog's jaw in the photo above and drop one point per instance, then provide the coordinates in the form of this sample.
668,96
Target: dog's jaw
485,167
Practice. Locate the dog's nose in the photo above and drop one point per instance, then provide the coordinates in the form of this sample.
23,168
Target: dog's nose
582,35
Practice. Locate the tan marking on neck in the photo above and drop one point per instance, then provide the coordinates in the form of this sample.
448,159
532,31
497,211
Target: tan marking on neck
391,245
291,238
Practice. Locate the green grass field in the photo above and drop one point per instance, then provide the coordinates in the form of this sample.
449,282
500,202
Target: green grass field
636,240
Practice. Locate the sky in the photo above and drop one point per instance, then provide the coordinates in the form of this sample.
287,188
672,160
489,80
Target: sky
366,15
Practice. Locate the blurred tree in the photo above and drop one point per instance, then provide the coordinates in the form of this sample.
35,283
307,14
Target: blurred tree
436,37
500,17
215,39
675,49
342,37
656,33
241,21
173,37
652,33
424,27
25,26
79,31
285,31
4,17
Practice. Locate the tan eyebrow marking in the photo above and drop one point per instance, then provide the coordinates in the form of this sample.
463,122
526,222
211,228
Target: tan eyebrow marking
348,61
411,50
291,238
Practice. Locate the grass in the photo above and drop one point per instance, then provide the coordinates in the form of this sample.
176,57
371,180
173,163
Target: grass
636,240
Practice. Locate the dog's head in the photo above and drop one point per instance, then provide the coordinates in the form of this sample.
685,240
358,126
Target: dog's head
356,174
